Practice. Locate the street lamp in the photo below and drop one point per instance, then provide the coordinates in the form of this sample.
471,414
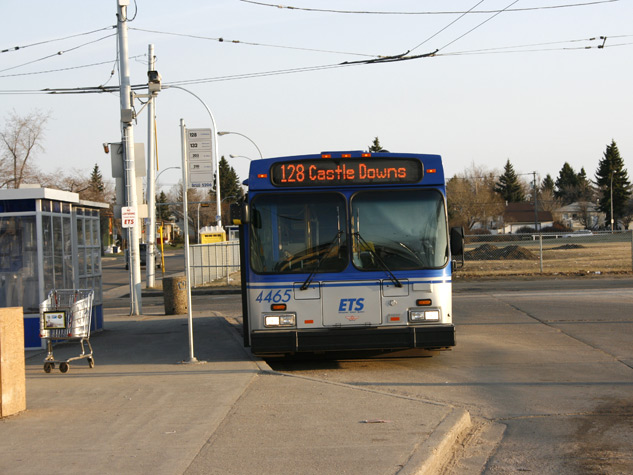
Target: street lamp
214,149
163,171
241,156
242,135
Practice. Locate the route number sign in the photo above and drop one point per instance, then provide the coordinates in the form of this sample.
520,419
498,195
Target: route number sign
199,158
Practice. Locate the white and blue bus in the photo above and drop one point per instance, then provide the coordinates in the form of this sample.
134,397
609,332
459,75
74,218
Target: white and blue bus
346,251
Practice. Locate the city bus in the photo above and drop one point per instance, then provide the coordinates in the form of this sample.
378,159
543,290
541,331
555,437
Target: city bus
346,251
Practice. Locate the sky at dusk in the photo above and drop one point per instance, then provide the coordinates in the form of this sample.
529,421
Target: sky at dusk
531,80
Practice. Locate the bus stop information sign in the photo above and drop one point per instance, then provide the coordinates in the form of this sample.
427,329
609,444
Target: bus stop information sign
199,158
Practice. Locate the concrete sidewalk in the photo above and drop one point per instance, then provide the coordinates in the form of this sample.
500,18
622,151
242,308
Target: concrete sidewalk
140,410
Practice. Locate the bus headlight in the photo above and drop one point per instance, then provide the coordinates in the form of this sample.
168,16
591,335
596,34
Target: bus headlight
417,316
280,320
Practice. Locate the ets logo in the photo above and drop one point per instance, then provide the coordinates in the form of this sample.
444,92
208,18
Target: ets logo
351,305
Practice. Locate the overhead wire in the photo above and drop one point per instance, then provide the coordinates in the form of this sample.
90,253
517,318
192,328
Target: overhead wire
17,48
479,25
110,89
70,68
248,43
446,12
374,59
59,53
447,26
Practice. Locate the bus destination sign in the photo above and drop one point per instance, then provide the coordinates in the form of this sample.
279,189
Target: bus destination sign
350,171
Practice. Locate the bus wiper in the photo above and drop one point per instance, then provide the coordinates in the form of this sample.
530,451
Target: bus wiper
393,278
330,246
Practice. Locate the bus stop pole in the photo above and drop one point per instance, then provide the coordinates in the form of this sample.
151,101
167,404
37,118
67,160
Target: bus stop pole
185,205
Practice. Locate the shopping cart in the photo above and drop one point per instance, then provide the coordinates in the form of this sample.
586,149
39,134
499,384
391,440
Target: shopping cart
66,315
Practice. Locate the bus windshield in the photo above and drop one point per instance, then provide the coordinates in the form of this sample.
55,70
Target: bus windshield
298,233
399,229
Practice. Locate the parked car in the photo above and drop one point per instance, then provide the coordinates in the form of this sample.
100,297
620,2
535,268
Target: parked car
143,252
579,233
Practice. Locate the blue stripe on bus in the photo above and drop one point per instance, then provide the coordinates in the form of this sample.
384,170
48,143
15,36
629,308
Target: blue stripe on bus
261,286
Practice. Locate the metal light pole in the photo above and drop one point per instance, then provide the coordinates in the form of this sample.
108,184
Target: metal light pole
214,152
150,260
247,138
127,138
611,201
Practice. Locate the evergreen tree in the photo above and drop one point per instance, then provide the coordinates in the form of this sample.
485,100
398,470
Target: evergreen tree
567,184
376,147
585,190
611,176
96,181
230,186
162,210
548,183
509,186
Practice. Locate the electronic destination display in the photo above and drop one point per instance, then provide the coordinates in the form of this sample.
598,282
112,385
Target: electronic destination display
350,171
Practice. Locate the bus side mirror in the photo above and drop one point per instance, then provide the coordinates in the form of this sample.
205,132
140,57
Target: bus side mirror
457,245
239,213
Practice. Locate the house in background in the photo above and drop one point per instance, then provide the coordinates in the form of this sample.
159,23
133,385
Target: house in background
521,215
580,215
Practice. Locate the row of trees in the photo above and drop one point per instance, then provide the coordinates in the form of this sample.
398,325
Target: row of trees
22,138
476,195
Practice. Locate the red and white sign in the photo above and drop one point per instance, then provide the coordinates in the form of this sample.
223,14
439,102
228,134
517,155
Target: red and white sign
128,217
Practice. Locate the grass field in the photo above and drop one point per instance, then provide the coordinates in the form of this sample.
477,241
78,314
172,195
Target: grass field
577,256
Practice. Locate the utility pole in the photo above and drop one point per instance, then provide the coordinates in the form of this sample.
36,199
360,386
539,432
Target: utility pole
150,261
127,139
535,204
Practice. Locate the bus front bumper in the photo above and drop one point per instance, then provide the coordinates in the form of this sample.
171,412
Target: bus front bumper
434,337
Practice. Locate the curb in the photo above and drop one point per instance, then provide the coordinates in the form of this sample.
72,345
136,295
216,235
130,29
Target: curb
429,456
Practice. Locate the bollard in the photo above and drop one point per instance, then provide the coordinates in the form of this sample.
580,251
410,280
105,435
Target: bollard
12,368
175,295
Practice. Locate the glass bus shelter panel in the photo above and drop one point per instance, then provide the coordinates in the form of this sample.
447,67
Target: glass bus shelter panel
57,252
298,233
402,229
18,263
89,251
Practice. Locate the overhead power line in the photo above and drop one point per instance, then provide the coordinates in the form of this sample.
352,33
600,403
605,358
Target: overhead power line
249,43
59,53
445,12
70,68
388,59
16,48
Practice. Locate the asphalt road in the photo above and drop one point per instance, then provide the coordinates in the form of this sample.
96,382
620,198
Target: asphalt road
549,359
115,275
552,360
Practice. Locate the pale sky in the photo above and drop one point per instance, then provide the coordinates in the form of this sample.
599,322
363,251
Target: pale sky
535,93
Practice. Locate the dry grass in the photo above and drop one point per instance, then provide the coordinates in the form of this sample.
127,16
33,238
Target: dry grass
558,258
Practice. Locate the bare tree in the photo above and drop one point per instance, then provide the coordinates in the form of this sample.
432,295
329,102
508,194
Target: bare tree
21,137
472,199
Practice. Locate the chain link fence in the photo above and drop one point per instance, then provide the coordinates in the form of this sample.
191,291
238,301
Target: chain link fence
580,252
485,255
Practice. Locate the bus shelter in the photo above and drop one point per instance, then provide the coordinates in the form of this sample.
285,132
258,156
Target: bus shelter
49,239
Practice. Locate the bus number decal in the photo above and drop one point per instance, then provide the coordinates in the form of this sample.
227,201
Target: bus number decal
276,297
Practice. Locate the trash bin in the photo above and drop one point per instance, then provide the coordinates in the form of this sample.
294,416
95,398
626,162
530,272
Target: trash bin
175,295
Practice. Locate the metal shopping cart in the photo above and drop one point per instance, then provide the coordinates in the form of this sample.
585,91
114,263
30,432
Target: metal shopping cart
66,315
